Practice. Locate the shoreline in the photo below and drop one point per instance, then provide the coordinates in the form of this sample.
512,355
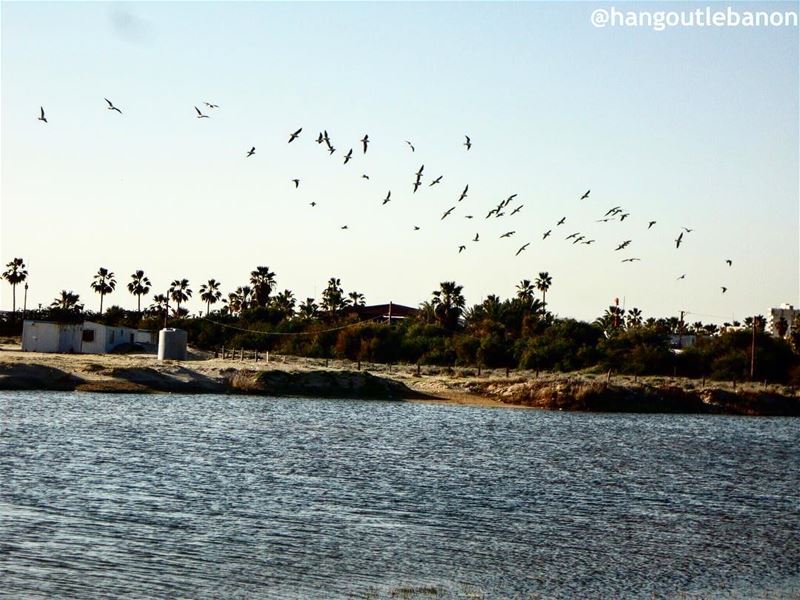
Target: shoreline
306,377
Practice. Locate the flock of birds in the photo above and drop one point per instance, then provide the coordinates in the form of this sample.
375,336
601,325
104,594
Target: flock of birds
617,213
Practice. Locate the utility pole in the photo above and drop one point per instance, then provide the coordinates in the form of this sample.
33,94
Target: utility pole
680,330
753,351
25,302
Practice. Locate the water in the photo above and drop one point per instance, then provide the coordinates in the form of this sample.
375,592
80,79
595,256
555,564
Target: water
215,496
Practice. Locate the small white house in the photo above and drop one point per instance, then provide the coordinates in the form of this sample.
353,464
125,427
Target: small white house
79,338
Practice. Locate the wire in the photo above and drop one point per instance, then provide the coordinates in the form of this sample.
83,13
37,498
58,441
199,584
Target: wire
289,333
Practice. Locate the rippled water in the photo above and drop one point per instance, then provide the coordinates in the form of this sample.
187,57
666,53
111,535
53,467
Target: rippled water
219,496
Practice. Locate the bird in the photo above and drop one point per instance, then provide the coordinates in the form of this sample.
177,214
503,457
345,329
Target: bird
587,242
419,173
586,195
416,185
650,224
476,238
461,249
344,226
613,211
326,138
507,234
606,220
331,149
508,200
724,289
623,215
416,228
251,152
572,235
365,141
321,138
547,234
630,259
490,213
578,239
522,248
294,136
516,210
678,240
468,143
435,181
199,114
623,245
463,194
467,216
42,117
112,107
385,200
729,261
687,230
209,105
348,156
313,204
365,176
449,210
561,222
296,183
410,145
682,276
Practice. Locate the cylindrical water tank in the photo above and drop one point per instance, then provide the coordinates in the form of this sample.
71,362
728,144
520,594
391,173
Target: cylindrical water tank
172,344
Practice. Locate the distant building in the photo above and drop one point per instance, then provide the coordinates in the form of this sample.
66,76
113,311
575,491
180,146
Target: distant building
384,313
678,342
79,338
784,311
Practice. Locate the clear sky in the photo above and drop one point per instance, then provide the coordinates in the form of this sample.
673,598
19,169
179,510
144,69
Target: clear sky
694,127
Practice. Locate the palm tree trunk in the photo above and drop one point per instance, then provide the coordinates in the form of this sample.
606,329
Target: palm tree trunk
544,302
208,305
139,304
101,303
14,298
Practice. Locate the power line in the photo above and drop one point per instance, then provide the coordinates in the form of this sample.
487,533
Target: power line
290,333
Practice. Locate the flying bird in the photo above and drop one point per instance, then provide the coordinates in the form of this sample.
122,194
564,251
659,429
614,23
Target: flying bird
348,156
507,234
251,152
650,224
461,249
199,114
586,195
516,210
578,239
365,176
467,216
416,228
687,230
209,105
331,149
419,173
464,193
678,240
724,289
111,106
410,145
294,136
572,235
296,183
587,242
623,245
416,185
630,259
365,141
547,234
321,138
729,261
313,204
42,117
613,211
344,226
561,222
622,216
435,181
682,276
449,210
468,143
385,200
476,238
522,248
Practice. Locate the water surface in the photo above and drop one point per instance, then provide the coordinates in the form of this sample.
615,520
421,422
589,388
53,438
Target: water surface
220,496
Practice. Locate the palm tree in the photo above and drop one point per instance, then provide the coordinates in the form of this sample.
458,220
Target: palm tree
67,301
356,299
210,294
179,292
285,302
308,309
160,305
263,281
543,283
634,318
103,283
333,296
448,303
15,274
139,286
525,292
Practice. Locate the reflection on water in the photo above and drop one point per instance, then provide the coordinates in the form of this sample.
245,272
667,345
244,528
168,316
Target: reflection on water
218,496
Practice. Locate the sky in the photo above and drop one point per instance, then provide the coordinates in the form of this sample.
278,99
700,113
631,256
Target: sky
688,127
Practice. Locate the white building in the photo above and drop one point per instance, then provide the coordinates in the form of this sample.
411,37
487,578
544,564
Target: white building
79,338
785,311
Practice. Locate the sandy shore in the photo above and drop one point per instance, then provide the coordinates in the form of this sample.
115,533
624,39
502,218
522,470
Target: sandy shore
287,375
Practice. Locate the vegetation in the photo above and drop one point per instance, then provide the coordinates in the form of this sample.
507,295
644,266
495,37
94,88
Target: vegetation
15,274
517,332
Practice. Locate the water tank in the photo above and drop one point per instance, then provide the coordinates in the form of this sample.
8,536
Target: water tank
172,344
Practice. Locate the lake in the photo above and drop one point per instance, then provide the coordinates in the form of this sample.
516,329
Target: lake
154,496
